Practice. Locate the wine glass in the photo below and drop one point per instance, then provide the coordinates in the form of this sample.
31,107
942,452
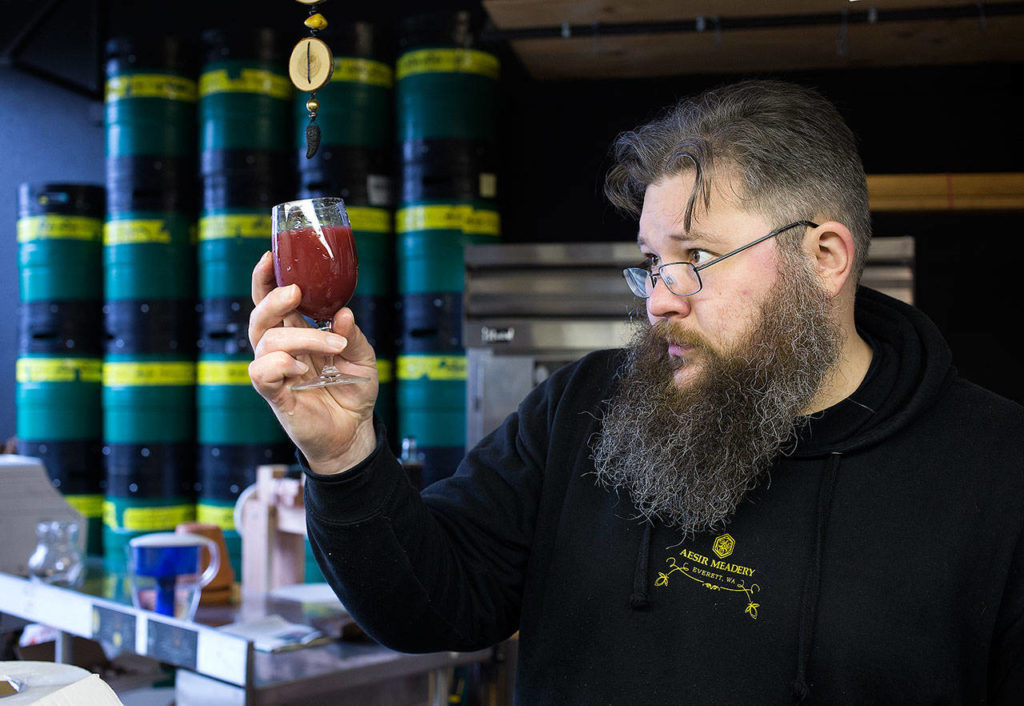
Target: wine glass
313,248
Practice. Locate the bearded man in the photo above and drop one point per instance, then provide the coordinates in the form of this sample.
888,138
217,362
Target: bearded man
781,492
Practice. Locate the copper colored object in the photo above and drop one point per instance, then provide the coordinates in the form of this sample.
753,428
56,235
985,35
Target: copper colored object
219,590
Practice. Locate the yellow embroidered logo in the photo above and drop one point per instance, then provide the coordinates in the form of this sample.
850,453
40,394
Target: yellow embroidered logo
715,574
723,546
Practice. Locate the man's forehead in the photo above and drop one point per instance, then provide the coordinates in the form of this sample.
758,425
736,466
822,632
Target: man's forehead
695,236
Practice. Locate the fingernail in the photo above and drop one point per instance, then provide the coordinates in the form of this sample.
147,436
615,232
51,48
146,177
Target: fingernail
303,368
336,342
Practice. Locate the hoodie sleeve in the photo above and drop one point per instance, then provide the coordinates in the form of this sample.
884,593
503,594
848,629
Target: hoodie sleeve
441,571
1006,666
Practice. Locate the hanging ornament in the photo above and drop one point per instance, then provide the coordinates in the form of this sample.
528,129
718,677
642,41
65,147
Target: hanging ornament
310,68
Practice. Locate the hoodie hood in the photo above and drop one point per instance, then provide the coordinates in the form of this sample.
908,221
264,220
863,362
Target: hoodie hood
913,364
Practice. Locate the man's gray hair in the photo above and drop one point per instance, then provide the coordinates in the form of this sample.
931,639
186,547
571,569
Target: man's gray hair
785,147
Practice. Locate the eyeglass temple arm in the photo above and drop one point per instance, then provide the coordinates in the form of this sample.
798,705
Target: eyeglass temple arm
740,249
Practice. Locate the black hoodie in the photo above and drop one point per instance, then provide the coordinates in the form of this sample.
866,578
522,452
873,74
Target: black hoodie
881,562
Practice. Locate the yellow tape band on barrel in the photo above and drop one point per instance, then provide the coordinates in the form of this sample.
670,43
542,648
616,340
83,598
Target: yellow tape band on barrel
432,367
235,225
139,374
147,519
136,231
461,217
462,61
356,70
224,372
58,370
482,222
259,81
166,86
59,227
220,515
88,506
433,217
385,370
369,219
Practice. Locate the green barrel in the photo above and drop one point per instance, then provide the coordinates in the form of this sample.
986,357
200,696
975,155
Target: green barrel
431,240
313,573
229,410
76,470
60,241
431,321
150,97
445,86
148,398
224,472
59,421
245,95
431,401
357,105
149,255
58,397
373,230
149,489
231,242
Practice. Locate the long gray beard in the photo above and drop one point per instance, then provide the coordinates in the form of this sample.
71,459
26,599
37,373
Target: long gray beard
689,456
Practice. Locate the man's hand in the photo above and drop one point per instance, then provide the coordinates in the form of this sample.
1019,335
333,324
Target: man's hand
333,425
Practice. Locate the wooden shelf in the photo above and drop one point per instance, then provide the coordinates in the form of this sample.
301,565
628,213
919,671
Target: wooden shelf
1002,191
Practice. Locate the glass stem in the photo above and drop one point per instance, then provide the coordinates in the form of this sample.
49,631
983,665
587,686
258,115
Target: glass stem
328,369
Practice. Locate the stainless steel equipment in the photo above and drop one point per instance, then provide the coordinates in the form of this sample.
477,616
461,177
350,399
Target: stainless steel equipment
531,308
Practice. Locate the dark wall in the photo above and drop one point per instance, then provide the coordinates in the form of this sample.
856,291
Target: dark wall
556,136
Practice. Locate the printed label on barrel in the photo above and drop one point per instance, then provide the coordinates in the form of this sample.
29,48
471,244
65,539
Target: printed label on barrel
235,225
88,506
258,81
462,217
146,519
463,61
166,86
369,219
356,70
135,373
224,372
136,231
432,367
54,227
28,370
221,515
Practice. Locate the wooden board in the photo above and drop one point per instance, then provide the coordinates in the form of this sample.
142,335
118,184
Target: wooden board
946,192
589,54
512,14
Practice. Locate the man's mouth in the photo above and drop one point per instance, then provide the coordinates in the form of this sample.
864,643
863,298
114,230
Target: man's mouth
679,350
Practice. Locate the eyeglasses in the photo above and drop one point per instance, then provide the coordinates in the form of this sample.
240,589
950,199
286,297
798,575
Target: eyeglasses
683,278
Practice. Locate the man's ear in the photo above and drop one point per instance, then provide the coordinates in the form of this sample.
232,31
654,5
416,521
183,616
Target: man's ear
831,247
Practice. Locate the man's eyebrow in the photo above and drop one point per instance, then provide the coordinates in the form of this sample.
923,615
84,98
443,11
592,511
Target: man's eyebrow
693,237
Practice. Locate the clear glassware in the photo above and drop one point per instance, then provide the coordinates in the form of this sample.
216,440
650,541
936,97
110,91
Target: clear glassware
314,248
57,559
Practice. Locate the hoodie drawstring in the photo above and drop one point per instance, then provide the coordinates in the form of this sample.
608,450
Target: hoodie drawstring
812,587
638,599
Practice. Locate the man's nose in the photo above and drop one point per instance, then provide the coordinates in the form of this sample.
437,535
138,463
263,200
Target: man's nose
663,304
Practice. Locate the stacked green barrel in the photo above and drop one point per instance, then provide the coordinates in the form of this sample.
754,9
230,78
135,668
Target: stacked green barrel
446,125
247,166
354,161
58,372
149,273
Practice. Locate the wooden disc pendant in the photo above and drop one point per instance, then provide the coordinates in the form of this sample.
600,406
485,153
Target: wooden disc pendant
311,64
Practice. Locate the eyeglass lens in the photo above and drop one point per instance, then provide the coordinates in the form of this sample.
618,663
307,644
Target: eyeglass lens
680,278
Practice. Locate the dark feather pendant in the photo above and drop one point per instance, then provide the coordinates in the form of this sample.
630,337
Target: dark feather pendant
312,140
